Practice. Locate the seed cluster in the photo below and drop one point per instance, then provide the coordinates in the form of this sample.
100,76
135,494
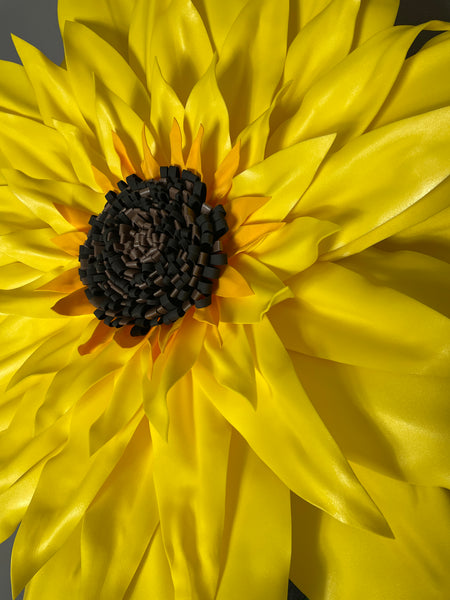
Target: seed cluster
153,252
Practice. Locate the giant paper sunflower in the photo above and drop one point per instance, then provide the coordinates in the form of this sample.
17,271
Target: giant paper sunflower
234,370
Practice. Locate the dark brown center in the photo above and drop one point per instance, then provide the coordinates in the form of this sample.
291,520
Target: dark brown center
153,252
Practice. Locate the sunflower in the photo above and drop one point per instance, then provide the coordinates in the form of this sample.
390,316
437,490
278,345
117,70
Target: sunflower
233,370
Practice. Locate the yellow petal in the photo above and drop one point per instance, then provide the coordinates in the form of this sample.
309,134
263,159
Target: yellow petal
249,236
45,198
60,573
84,373
171,365
206,107
14,214
17,93
254,137
248,80
256,548
374,16
192,505
267,287
165,107
311,463
343,316
51,86
35,149
218,19
15,501
125,509
89,55
356,176
153,573
280,177
114,115
296,246
307,60
140,35
241,208
180,42
16,275
419,276
108,19
235,371
82,154
424,71
129,382
34,248
347,98
359,564
429,236
75,481
382,421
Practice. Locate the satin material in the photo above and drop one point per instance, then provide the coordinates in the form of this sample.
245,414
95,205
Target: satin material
298,426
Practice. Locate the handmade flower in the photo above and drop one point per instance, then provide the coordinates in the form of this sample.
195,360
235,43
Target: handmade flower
234,368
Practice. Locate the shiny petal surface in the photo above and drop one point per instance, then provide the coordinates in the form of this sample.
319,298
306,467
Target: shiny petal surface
362,323
331,560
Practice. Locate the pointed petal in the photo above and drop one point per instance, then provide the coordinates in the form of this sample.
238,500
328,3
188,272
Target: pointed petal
248,80
205,106
284,417
268,290
307,60
60,573
75,481
424,71
356,176
374,16
153,573
278,176
359,564
35,248
343,316
232,284
218,19
35,149
192,505
382,422
416,275
223,177
181,44
125,509
256,544
51,86
178,358
17,93
67,282
347,98
296,246
165,107
88,54
15,275
108,18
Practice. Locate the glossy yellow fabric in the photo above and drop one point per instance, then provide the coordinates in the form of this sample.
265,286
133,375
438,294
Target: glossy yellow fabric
296,427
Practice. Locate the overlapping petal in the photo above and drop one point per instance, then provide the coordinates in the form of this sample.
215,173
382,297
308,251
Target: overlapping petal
304,408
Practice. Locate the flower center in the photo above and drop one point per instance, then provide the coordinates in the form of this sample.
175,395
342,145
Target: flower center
153,252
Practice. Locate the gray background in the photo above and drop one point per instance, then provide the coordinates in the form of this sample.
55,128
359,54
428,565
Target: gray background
36,22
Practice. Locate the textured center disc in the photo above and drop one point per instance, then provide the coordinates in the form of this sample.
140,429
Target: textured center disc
153,252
